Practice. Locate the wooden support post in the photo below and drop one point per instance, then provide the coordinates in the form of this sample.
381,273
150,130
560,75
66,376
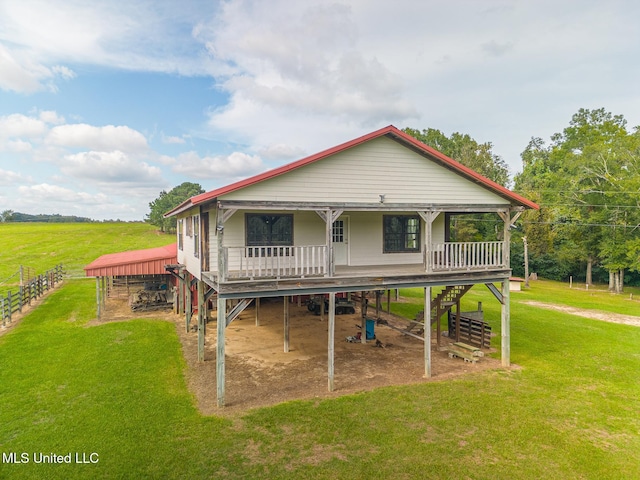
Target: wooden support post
331,340
457,337
505,325
329,262
427,332
363,319
286,324
104,294
98,302
389,301
257,311
188,303
10,304
221,324
201,331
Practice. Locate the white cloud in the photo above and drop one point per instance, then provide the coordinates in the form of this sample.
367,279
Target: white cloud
172,140
19,77
231,167
105,138
42,37
298,60
9,178
110,167
280,152
18,146
45,194
51,117
18,125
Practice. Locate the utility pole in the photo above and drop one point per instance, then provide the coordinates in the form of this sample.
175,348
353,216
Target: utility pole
526,262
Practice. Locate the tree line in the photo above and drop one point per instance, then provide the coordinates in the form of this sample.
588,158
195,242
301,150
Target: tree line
11,216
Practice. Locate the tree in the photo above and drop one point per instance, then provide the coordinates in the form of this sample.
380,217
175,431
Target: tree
169,200
464,149
586,182
478,157
6,216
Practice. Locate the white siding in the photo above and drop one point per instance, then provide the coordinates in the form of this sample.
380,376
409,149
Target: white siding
363,173
186,256
365,242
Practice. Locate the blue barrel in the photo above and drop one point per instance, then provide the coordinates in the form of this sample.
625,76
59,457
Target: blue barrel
371,327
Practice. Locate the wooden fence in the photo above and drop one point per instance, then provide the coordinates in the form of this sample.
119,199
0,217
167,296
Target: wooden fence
34,288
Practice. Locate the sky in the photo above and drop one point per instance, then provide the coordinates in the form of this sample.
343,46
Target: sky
106,103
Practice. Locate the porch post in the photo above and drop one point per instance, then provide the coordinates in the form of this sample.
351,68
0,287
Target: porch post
221,324
427,332
428,218
505,324
329,265
331,339
257,301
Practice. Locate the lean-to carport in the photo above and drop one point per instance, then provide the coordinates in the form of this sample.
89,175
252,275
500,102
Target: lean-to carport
142,265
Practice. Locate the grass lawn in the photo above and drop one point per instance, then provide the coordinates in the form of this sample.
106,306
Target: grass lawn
571,411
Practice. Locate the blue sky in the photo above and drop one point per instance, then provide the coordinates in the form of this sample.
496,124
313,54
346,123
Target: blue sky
104,103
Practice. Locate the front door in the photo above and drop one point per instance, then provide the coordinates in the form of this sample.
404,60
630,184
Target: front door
341,241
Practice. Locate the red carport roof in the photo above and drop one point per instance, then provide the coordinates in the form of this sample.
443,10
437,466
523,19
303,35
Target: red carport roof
389,131
150,261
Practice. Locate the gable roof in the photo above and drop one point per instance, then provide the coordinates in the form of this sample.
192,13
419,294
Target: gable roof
134,262
389,131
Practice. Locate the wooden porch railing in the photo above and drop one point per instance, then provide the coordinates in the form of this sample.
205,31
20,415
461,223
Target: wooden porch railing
275,262
257,262
466,256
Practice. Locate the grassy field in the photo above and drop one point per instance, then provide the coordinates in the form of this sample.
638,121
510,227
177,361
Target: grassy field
571,411
44,245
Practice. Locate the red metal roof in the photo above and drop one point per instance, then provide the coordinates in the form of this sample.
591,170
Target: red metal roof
135,262
389,131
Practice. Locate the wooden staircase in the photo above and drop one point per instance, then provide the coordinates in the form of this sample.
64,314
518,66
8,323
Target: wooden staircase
442,303
446,299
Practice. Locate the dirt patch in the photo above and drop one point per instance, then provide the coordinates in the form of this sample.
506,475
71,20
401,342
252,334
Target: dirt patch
593,314
260,373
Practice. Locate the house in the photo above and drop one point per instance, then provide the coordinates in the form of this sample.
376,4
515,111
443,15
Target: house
369,214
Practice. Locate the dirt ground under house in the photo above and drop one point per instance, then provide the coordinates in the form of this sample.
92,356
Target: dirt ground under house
259,373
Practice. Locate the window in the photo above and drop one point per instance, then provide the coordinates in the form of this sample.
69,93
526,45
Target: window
338,231
181,233
269,230
196,236
401,233
189,227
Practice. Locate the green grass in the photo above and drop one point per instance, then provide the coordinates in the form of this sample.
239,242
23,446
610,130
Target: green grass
570,411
